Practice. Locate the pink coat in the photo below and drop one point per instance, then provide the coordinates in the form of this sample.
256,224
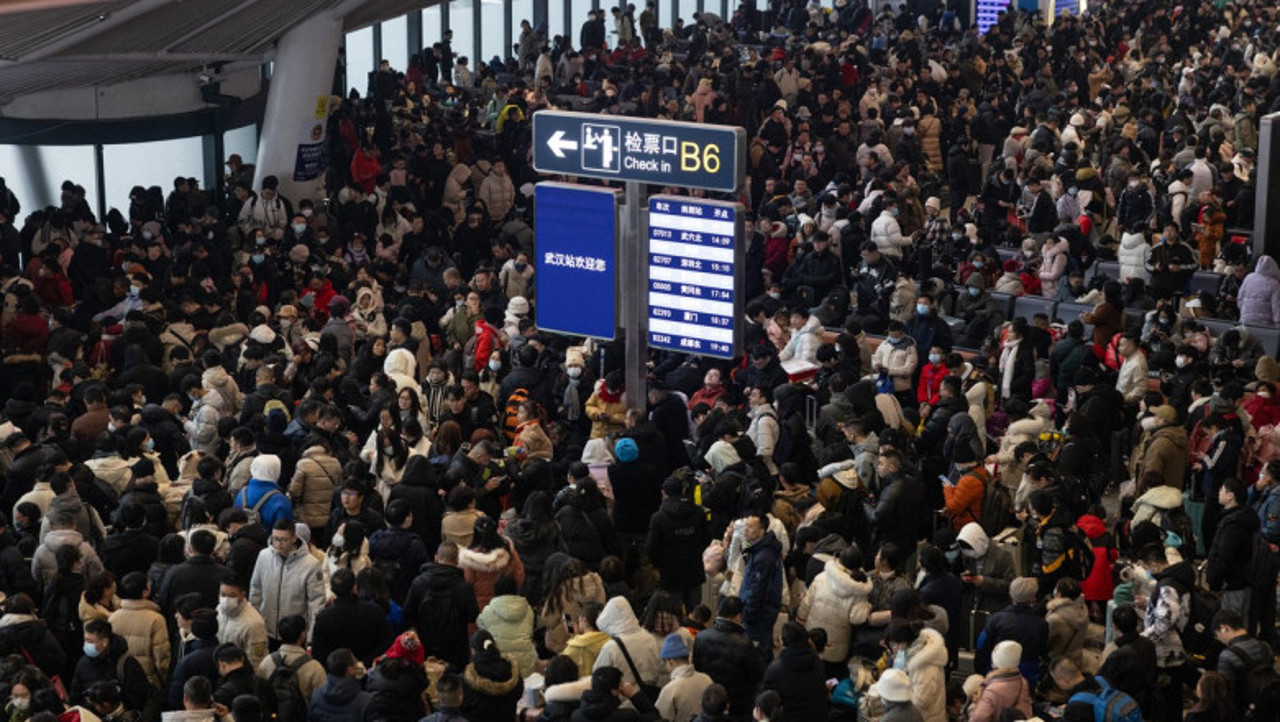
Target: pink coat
1003,689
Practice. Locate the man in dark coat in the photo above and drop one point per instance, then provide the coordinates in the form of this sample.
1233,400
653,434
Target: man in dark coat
341,699
198,658
603,702
398,546
677,535
762,582
350,622
895,513
669,415
731,660
585,527
109,661
1018,622
819,269
441,593
199,574
1132,667
132,549
1227,563
247,541
927,328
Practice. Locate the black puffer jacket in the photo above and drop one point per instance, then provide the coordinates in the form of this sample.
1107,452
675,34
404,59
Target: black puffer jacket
246,543
23,635
146,495
418,487
726,655
397,688
678,533
586,530
1228,559
797,675
491,686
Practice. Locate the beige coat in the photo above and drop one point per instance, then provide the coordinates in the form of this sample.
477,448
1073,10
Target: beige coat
459,526
587,588
1068,626
139,621
311,490
617,412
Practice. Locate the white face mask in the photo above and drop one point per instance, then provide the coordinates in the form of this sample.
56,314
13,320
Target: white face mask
1181,361
230,605
1151,423
574,372
21,703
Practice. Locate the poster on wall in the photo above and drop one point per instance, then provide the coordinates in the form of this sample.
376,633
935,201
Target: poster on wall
311,158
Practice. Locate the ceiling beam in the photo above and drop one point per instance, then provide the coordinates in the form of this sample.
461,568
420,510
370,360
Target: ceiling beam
164,57
111,21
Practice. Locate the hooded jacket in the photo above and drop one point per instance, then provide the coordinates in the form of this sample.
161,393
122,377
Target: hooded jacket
604,707
619,621
1003,689
491,687
509,619
1164,451
1053,266
1098,586
1135,257
281,586
926,659
217,380
1259,296
836,602
439,586
482,569
44,565
677,535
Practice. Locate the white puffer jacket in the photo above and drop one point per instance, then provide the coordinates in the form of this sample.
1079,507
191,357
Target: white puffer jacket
926,659
835,602
1134,254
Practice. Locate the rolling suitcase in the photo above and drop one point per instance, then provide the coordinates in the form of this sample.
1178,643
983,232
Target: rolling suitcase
1011,541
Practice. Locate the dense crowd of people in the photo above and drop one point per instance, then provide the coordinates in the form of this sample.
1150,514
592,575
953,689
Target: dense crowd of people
316,461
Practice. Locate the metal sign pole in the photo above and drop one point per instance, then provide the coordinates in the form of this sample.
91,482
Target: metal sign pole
1266,213
632,291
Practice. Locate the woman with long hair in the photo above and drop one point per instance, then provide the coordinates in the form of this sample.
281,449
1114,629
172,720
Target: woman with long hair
409,406
99,598
570,585
1214,701
535,537
488,557
369,359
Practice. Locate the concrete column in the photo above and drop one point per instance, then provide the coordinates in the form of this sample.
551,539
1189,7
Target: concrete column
303,72
1266,212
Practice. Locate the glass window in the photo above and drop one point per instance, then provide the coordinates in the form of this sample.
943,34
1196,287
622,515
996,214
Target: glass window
431,30
395,42
242,141
687,9
460,22
523,10
492,37
149,164
35,175
359,59
577,18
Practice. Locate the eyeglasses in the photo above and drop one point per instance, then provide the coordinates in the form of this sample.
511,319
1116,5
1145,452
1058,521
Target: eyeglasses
280,541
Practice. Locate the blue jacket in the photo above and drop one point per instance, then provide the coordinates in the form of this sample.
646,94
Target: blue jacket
1020,623
761,591
1267,504
275,508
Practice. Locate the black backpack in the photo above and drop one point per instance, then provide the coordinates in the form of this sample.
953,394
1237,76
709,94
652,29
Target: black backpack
1079,552
290,705
1261,689
997,507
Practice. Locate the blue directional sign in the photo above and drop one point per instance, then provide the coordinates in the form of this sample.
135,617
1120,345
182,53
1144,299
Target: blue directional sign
695,276
662,152
576,231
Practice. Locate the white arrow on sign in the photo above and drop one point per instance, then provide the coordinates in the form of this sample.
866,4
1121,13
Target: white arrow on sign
559,145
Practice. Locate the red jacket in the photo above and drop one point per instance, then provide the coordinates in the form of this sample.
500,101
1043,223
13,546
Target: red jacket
486,343
1262,412
1098,587
27,332
55,288
320,307
930,381
364,171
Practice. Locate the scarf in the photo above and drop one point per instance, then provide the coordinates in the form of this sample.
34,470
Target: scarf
572,406
1006,367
